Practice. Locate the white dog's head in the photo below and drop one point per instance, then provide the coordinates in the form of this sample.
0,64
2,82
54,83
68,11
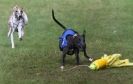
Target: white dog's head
18,12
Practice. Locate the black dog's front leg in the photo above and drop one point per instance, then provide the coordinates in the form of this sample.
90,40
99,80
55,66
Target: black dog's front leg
77,56
64,52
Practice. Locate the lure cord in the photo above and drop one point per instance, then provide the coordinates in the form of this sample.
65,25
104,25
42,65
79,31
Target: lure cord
76,67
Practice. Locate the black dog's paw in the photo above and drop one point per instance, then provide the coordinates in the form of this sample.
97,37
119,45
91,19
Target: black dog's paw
90,59
62,68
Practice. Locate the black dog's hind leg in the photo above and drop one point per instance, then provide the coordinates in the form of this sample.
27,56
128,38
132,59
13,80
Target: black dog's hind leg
84,47
85,54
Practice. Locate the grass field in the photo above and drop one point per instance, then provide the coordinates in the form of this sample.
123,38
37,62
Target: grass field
36,60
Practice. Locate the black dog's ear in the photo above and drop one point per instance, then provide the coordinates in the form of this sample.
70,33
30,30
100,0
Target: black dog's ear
84,33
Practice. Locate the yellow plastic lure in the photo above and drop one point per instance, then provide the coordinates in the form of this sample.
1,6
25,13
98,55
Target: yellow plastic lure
107,61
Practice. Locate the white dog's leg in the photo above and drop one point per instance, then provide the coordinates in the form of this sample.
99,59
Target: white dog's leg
20,32
12,40
9,32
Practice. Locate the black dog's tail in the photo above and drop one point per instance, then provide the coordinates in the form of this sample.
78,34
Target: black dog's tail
84,33
57,20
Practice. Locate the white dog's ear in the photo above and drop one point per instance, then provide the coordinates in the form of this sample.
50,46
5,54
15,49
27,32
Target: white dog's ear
22,10
15,7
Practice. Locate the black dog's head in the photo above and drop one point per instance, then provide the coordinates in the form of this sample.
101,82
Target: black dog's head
79,39
75,41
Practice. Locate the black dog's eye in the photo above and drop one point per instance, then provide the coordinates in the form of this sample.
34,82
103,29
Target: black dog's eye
16,11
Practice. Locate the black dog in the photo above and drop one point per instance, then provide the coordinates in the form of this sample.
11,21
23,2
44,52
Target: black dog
71,43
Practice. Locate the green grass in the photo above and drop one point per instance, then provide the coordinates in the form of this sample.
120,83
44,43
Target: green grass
36,60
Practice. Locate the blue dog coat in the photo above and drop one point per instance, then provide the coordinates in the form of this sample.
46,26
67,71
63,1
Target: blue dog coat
62,38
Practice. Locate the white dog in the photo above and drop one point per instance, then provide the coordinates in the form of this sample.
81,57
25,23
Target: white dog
16,22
